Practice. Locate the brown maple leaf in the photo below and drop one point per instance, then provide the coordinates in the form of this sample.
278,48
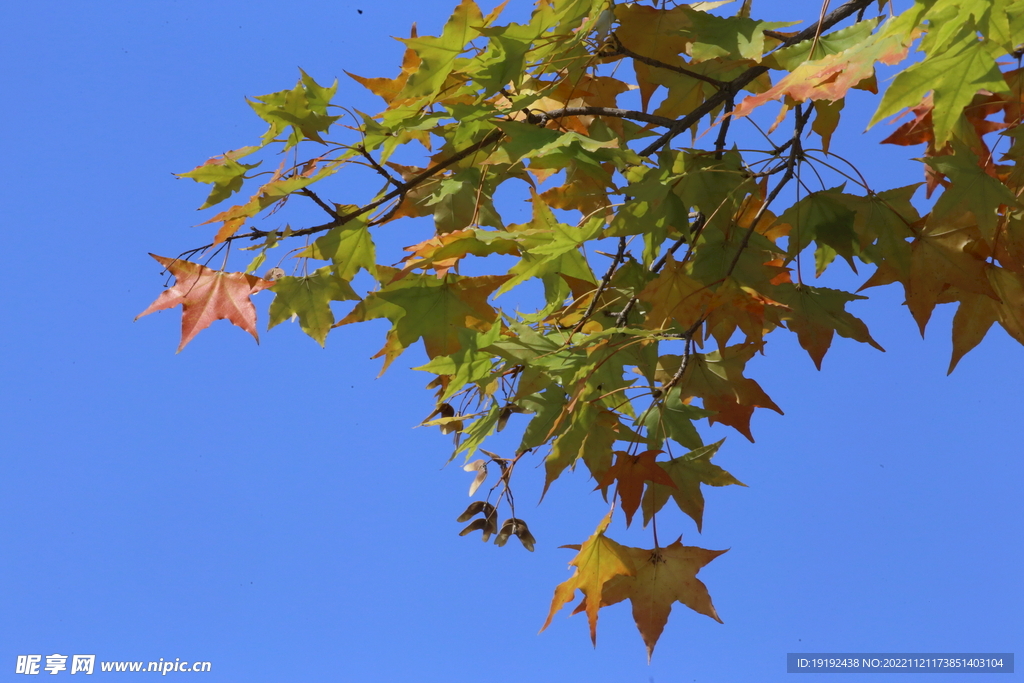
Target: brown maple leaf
206,295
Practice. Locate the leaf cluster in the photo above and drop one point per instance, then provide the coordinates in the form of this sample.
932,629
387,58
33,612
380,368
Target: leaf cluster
665,253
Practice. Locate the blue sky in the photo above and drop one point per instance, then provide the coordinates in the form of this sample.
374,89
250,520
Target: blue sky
272,510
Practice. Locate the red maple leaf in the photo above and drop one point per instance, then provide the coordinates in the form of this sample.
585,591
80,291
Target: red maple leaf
206,295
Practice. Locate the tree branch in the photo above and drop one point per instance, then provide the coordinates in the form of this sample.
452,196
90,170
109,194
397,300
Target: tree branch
735,85
616,260
605,111
488,139
626,52
319,202
794,155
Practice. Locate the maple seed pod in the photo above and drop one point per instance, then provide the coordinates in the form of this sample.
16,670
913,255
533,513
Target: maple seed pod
525,537
484,524
505,413
274,273
475,508
475,525
492,524
518,527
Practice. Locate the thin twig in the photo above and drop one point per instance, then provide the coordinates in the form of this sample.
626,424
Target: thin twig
491,137
321,203
795,153
616,260
380,169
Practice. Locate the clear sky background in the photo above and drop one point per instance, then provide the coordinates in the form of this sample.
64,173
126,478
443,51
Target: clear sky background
272,510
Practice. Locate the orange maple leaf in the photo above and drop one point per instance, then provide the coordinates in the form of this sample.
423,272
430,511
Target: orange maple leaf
662,577
599,560
206,295
632,472
830,77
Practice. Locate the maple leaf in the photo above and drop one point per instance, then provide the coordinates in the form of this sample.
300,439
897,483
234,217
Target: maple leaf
303,109
224,173
940,258
970,189
348,246
632,472
437,54
687,473
599,560
387,88
817,313
954,75
662,577
718,379
735,306
830,77
977,312
443,251
207,295
309,298
675,296
421,306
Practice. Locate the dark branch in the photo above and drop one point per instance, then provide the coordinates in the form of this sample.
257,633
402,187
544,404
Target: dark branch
319,202
604,111
490,138
380,169
605,281
625,51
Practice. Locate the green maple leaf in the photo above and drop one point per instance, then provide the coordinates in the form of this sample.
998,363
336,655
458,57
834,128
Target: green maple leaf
735,37
309,298
438,53
673,419
955,75
550,249
303,108
688,472
824,218
224,173
421,306
816,313
469,364
789,58
971,189
348,246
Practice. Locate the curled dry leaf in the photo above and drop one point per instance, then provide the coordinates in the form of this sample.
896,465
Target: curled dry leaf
480,467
